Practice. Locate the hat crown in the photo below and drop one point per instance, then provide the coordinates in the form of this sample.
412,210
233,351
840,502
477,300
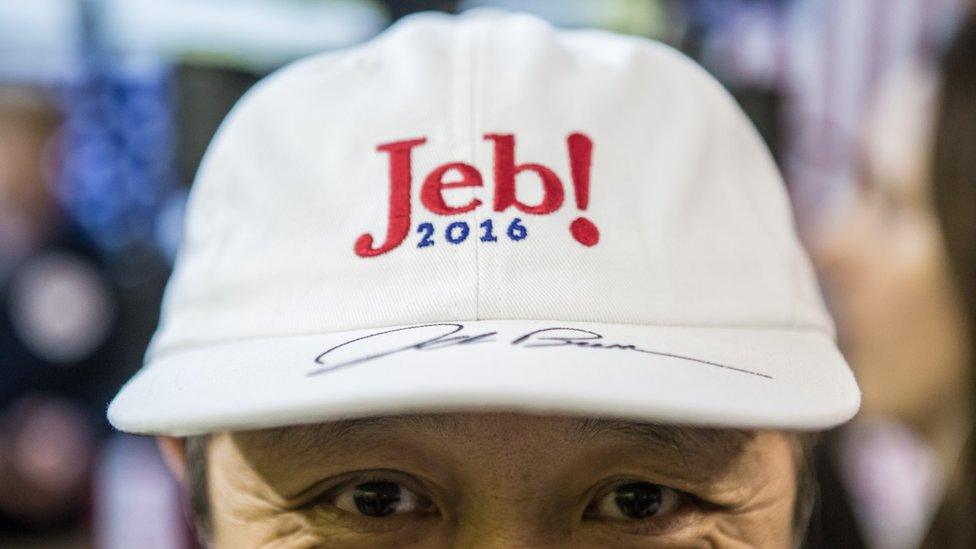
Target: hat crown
486,167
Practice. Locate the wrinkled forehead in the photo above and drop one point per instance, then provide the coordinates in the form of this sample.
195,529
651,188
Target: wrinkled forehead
498,429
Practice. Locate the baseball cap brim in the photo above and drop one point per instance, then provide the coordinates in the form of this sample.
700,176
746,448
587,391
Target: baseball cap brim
727,377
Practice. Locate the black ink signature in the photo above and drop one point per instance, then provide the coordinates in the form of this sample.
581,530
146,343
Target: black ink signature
546,337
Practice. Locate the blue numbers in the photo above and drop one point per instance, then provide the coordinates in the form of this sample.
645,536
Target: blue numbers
489,234
459,231
427,230
516,230
456,232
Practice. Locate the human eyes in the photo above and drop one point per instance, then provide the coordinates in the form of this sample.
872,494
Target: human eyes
381,502
378,497
643,507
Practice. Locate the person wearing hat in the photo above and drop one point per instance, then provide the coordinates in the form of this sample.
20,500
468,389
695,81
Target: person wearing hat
484,283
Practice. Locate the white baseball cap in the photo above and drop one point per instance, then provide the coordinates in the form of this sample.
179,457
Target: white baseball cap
485,213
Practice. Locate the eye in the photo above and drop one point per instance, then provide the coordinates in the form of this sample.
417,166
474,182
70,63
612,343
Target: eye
635,501
379,498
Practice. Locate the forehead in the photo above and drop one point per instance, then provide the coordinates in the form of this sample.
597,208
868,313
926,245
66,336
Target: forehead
509,431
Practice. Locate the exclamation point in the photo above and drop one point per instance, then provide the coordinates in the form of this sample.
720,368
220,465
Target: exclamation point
580,158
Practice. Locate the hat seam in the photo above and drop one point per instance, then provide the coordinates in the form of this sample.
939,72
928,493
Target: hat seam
473,44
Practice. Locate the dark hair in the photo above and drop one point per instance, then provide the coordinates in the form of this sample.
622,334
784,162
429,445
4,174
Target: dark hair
807,487
198,492
954,190
198,495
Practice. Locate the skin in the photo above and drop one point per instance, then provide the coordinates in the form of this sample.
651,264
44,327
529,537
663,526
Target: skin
886,271
500,480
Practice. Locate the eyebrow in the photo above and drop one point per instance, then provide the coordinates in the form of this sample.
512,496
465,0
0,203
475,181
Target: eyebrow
688,441
311,437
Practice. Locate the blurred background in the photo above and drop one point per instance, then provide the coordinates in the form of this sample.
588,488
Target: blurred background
106,107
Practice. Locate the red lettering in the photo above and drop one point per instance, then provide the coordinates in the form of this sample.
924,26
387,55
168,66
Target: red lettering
505,172
432,193
580,149
400,180
580,158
